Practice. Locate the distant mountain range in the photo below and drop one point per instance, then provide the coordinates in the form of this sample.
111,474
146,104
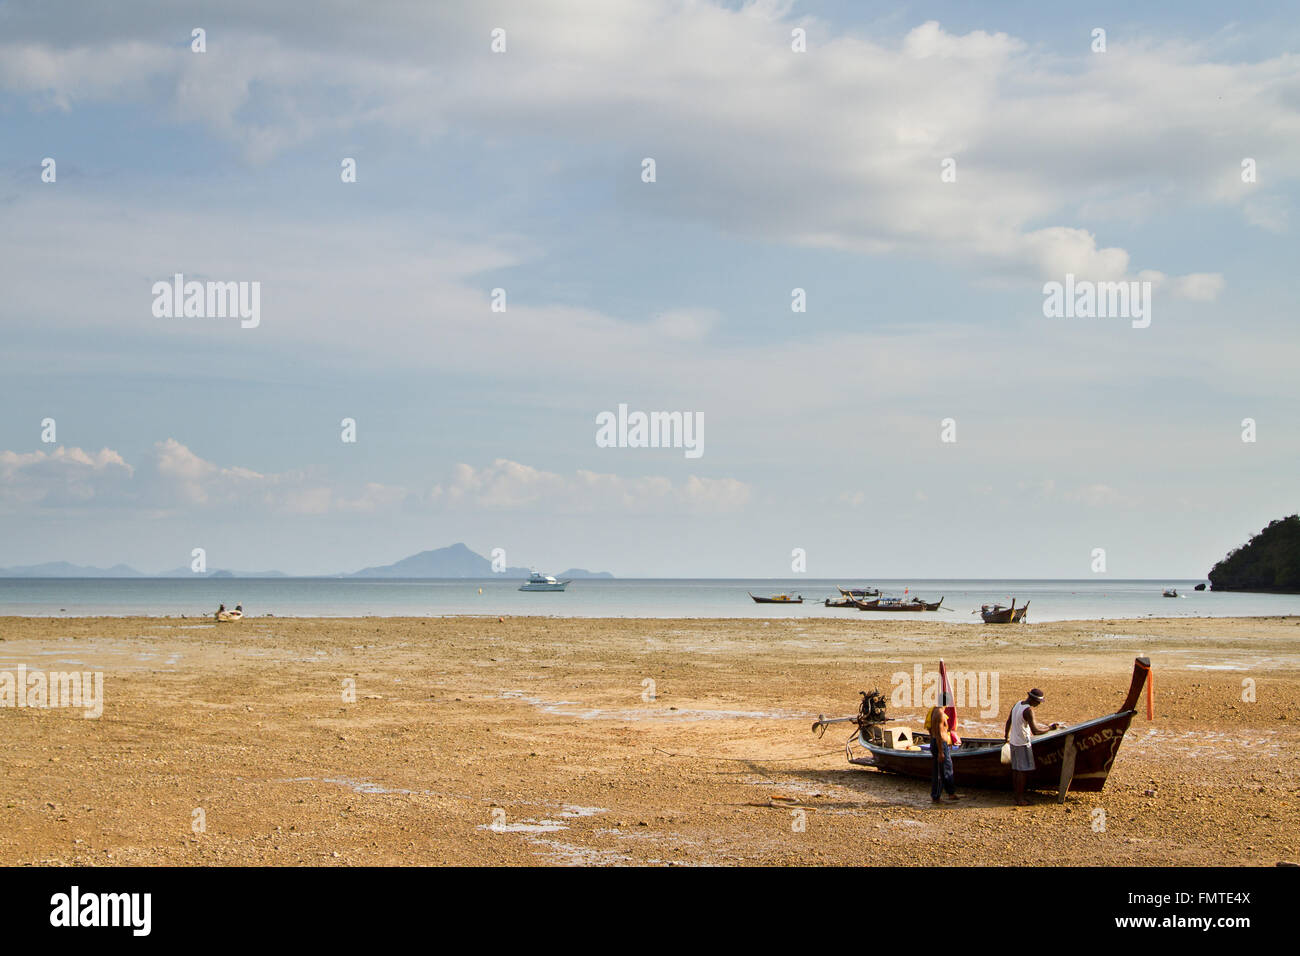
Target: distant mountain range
185,572
456,561
62,569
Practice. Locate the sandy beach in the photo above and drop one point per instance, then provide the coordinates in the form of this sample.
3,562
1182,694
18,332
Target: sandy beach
542,741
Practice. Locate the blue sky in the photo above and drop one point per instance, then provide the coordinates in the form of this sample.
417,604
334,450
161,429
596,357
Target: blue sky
775,170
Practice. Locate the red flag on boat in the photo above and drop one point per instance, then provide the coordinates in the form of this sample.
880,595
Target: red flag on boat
946,698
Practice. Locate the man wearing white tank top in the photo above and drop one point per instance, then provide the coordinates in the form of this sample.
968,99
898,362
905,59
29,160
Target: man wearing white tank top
1019,732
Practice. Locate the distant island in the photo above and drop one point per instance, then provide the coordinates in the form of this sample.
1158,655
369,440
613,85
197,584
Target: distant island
1269,561
455,561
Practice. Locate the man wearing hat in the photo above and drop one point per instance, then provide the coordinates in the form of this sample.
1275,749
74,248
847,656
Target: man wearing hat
1019,732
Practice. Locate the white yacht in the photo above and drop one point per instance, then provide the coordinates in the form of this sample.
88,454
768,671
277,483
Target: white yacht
542,582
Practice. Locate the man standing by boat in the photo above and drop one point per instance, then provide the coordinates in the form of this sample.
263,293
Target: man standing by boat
1019,732
941,741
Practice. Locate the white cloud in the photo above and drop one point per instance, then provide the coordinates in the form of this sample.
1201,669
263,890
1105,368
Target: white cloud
1199,286
837,147
509,485
63,478
685,324
177,477
171,480
1269,213
1095,495
1100,496
174,480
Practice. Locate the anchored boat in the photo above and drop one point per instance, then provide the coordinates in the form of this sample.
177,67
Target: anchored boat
895,604
1000,614
776,599
1075,758
543,582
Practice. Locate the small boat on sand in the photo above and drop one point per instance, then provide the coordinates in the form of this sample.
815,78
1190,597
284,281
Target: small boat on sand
776,599
1077,758
1000,614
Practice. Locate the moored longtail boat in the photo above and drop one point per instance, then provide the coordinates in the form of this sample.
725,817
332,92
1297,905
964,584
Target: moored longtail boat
842,602
859,592
776,599
894,604
999,614
1075,758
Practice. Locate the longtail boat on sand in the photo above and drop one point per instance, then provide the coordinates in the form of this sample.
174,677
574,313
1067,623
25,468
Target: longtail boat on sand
776,599
1075,758
1000,614
894,604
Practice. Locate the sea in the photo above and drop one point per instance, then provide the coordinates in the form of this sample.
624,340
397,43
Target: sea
1051,600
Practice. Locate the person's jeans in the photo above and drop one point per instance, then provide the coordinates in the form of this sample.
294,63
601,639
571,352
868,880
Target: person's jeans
941,775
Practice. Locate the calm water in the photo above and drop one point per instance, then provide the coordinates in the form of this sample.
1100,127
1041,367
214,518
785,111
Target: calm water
335,597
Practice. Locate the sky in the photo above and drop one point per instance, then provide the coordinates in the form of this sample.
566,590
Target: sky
920,171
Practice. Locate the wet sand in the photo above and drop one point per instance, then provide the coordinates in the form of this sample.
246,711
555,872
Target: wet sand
537,741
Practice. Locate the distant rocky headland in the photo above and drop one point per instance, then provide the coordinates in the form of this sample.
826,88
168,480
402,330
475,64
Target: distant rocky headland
1269,561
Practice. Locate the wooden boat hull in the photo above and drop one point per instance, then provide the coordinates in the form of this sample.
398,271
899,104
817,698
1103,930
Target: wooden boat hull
978,763
877,605
1006,615
768,600
847,602
1077,758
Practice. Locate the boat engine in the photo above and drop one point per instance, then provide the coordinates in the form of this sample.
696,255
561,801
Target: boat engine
872,708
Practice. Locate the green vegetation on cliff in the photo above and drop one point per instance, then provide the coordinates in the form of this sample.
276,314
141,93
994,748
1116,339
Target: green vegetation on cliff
1269,561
